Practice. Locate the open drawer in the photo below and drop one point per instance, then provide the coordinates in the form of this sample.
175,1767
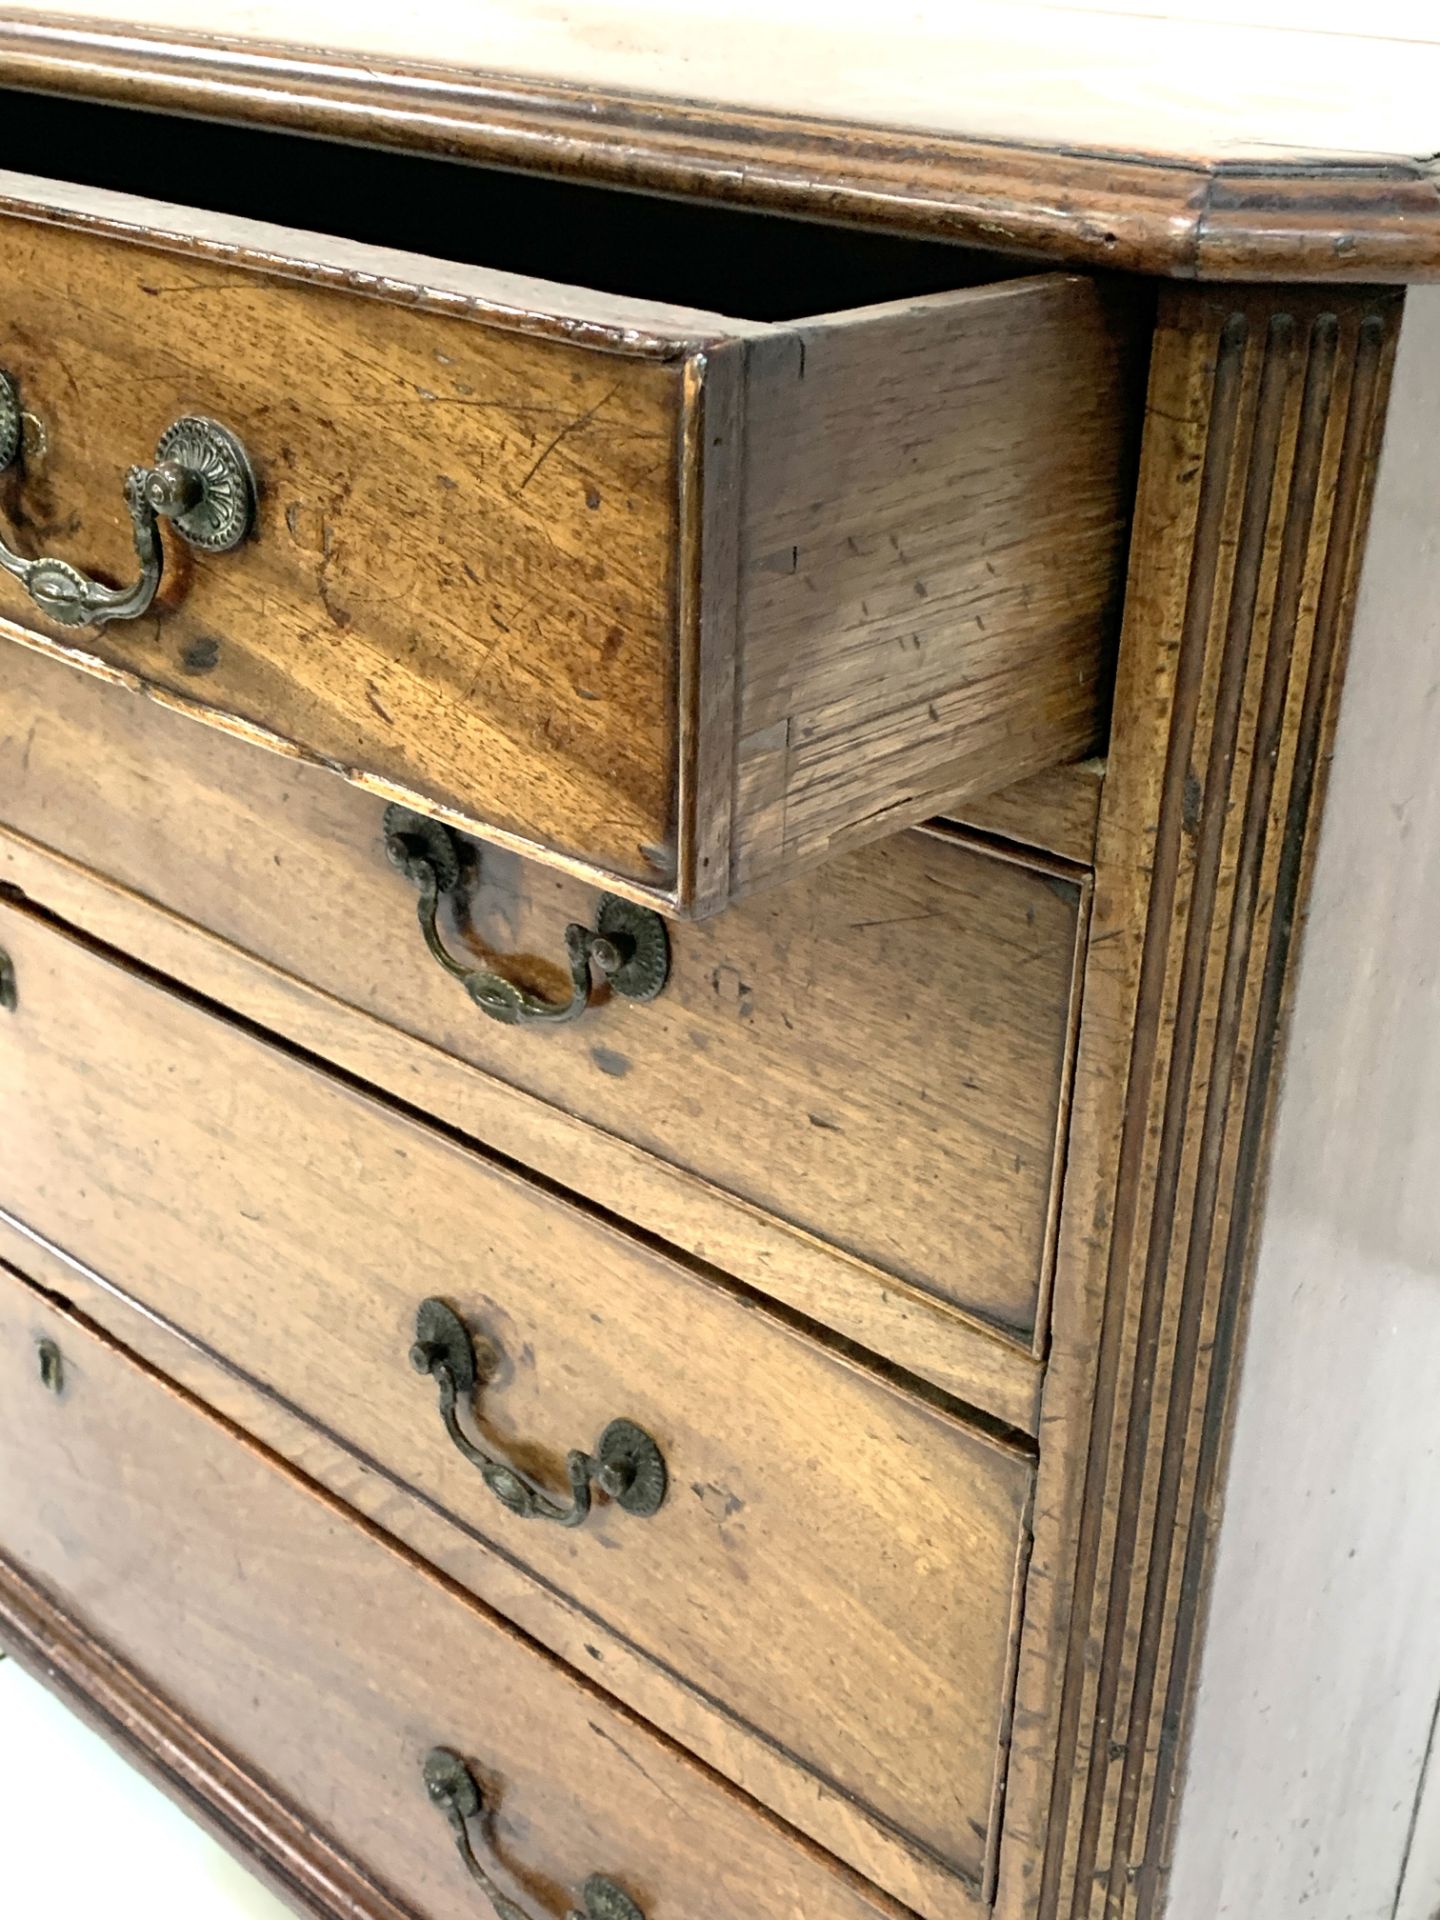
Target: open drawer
680,601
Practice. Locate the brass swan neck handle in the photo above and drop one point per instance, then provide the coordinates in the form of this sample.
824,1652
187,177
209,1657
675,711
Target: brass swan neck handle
626,1466
453,1788
628,945
200,481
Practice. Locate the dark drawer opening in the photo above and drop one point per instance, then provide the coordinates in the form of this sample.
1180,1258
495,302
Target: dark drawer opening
749,265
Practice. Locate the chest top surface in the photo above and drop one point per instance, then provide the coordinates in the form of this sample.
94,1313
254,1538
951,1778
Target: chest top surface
1209,138
1198,80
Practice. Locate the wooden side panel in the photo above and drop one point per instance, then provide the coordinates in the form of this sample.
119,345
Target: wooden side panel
1321,1670
932,536
463,583
329,1663
1058,810
819,1521
1263,429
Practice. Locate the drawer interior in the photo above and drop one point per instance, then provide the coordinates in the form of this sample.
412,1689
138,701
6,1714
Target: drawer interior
728,260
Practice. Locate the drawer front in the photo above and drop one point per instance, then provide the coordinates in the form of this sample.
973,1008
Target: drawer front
426,598
684,602
875,1054
330,1663
818,1521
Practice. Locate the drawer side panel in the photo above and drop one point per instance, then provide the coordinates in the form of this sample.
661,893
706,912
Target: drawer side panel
933,545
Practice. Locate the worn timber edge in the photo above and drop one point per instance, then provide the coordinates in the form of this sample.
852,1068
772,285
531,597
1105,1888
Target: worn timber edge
1262,438
1315,217
269,1837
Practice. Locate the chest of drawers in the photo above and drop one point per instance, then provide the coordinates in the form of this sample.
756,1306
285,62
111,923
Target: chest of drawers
645,944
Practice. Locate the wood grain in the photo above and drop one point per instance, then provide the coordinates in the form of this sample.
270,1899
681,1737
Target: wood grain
918,555
875,1057
900,1323
1058,811
1182,79
682,603
319,1657
449,616
1323,211
564,1626
277,1843
1264,425
831,1523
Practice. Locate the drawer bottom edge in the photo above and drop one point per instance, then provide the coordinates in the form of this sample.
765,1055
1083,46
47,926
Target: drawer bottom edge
236,1807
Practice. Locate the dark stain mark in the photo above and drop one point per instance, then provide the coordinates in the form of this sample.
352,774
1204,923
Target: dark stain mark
733,991
592,498
718,1502
201,656
612,643
1191,801
376,704
608,1061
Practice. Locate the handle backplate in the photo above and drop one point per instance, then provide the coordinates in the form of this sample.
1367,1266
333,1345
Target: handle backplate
12,423
201,482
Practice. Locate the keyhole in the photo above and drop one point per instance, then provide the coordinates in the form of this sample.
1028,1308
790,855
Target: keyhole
52,1366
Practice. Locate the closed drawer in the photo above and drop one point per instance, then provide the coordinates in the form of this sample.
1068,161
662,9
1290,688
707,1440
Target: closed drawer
684,601
819,1523
331,1664
875,1056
